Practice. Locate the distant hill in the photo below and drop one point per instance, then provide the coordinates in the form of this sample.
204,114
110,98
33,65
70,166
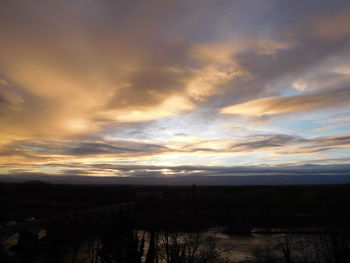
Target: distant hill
185,180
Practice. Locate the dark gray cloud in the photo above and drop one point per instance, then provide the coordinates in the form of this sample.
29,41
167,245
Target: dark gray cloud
118,147
97,146
202,175
81,148
268,141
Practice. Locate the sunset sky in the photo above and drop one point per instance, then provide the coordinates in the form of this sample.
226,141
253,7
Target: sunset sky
174,88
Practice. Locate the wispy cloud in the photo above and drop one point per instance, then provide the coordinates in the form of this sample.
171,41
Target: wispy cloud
291,104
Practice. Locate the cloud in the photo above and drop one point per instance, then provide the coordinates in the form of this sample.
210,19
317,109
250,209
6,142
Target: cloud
85,67
187,175
3,82
331,27
291,104
317,145
267,142
71,72
338,140
117,147
113,81
172,106
104,148
99,149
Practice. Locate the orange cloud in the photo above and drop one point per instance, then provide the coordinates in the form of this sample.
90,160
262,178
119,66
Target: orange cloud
291,104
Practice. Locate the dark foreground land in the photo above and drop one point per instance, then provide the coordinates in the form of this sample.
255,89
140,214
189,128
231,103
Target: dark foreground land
147,226
181,206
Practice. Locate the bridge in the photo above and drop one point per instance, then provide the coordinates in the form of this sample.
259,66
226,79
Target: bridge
40,224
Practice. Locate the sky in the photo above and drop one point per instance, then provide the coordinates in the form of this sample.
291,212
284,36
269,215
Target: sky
165,88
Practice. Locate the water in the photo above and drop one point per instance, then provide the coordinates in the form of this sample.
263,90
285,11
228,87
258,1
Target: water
230,248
